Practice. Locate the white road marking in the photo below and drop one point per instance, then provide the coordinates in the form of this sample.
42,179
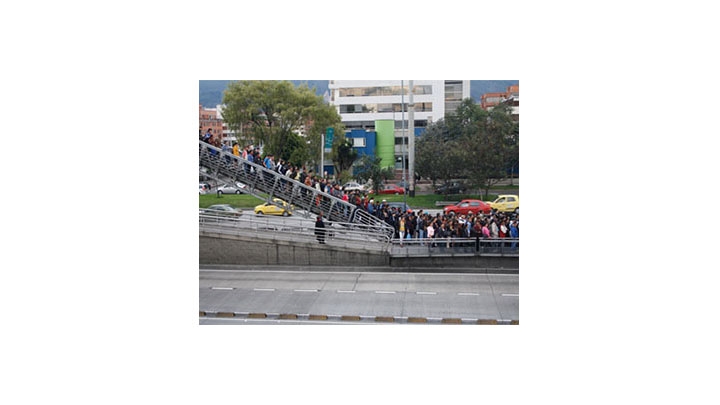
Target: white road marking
384,292
209,270
426,293
510,295
221,288
346,291
468,293
305,290
263,289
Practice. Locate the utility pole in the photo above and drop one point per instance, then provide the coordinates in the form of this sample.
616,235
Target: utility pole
411,141
404,135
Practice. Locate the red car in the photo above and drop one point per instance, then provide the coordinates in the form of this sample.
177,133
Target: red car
466,207
391,189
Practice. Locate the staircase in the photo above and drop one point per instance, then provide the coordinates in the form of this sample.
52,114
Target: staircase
267,184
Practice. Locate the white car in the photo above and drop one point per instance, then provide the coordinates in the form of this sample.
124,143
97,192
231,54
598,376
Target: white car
223,209
353,186
230,189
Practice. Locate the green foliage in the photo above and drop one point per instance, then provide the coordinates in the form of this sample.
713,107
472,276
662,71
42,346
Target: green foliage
369,169
269,113
343,155
471,144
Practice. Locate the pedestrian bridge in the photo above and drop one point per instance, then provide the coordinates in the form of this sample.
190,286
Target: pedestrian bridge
266,184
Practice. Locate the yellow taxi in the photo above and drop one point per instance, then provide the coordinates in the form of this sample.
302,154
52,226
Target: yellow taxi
279,207
506,203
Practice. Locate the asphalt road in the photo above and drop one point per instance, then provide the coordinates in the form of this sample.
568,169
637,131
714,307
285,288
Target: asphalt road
354,297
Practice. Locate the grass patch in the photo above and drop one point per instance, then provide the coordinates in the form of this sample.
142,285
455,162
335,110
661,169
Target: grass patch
236,200
425,201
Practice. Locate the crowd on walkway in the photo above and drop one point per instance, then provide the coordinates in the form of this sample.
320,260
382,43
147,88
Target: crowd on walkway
421,225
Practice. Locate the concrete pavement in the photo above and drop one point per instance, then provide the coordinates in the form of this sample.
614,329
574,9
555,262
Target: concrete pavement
367,297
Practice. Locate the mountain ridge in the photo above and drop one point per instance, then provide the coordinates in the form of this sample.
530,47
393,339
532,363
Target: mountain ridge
211,91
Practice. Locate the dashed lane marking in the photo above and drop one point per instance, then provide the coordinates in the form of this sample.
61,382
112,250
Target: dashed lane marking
384,292
510,295
466,293
426,293
346,292
305,290
221,288
263,289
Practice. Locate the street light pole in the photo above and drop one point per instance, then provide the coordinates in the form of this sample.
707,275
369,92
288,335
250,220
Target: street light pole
402,109
411,142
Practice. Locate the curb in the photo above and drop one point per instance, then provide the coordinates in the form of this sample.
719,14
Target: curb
360,318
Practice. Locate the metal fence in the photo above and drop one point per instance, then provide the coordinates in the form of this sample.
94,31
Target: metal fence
353,236
455,246
346,235
267,184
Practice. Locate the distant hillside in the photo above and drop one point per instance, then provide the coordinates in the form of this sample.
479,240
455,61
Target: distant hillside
211,91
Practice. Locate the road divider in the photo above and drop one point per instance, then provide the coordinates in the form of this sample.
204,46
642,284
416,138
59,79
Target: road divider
360,318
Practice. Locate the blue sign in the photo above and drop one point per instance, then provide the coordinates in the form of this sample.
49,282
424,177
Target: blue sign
329,137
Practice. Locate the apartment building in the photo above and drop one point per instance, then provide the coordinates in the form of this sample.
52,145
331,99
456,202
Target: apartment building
209,119
381,107
510,96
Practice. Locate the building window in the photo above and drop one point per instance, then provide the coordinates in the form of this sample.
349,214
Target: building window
383,91
358,142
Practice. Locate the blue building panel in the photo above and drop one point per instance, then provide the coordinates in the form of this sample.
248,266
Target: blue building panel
370,140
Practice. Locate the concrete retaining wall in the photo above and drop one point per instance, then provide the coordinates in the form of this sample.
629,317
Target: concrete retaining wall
510,264
222,249
241,250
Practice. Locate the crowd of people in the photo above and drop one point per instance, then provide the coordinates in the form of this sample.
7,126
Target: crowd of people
437,228
407,224
422,225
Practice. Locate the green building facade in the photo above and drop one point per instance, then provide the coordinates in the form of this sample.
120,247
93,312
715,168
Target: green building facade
385,130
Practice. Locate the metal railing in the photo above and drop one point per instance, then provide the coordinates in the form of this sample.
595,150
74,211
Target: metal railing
266,184
455,246
346,235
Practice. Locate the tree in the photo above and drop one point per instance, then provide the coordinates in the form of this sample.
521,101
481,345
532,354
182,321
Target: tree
472,144
492,141
369,169
437,154
273,111
343,156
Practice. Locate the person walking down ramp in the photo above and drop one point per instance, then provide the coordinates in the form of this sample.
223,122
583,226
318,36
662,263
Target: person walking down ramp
320,229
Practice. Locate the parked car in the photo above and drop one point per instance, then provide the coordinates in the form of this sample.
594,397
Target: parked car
390,189
353,186
466,207
273,209
451,188
223,209
401,206
404,185
506,203
231,189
